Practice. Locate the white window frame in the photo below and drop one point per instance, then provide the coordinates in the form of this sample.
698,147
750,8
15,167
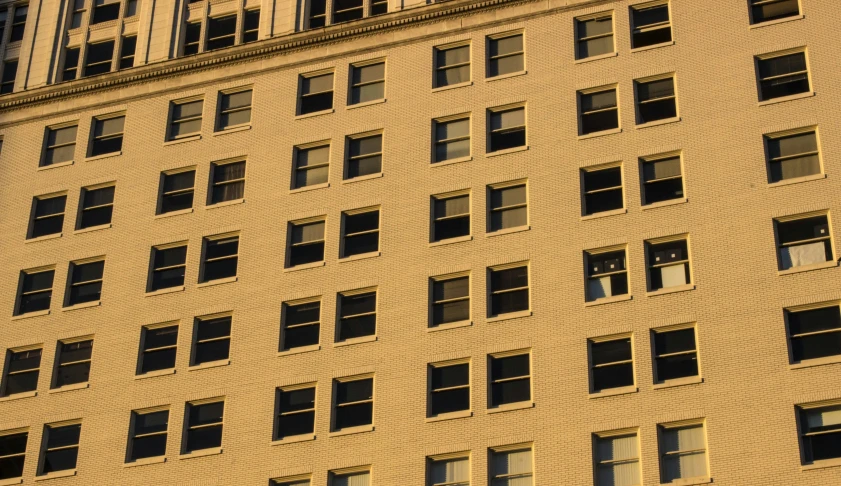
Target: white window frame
591,366
687,261
634,28
293,186
499,36
491,381
614,434
768,137
143,350
662,428
659,382
492,451
430,390
789,336
578,39
431,460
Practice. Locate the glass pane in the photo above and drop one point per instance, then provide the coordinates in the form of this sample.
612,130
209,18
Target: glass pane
151,446
510,392
209,413
598,122
679,366
109,126
354,391
660,169
366,74
797,167
34,302
764,12
354,415
454,472
803,229
652,15
50,206
656,89
450,376
293,400
657,110
508,196
368,92
303,313
59,154
367,145
98,197
181,180
37,281
21,383
204,438
449,401
358,304
220,269
236,100
222,248
456,75
590,28
451,289
25,360
61,136
148,423
213,328
663,190
72,374
164,279
614,376
309,253
75,351
300,336
453,129
317,84
100,52
451,312
781,65
163,359
598,101
595,47
186,110
507,45
604,201
602,179
88,271
674,341
60,460
85,293
297,424
510,367
456,55
63,436
509,279
355,327
170,256
816,346
310,232
506,65
458,149
235,118
508,119
610,351
788,146
159,337
313,156
453,206
510,302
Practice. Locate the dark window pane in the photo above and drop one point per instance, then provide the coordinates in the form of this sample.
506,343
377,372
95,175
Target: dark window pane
450,312
63,436
176,202
71,63
604,201
303,313
450,376
510,392
663,190
12,467
96,217
165,279
192,35
318,10
104,13
160,337
506,139
354,391
296,424
79,351
222,248
251,25
299,255
301,336
60,460
510,302
347,10
449,401
80,294
359,304
220,32
209,413
514,366
783,76
814,320
826,446
674,341
816,346
599,121
803,229
354,415
204,438
151,422
88,271
212,351
657,110
680,366
613,377
35,302
610,351
127,52
294,400
21,383
215,328
644,20
170,256
162,359
357,327
606,262
72,374
220,269
509,279
764,11
151,446
99,58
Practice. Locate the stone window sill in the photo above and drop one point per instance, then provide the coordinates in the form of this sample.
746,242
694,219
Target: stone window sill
174,213
56,475
450,416
783,99
44,238
92,228
201,453
210,364
507,231
507,151
191,138
609,300
359,340
225,203
510,407
670,290
604,214
153,374
300,350
655,46
506,76
808,268
670,202
217,282
815,362
82,306
67,388
18,396
458,160
449,325
104,156
170,290
293,439
54,166
775,22
304,266
31,314
511,315
821,464
452,86
797,180
596,58
309,188
352,430
450,241
6,482
146,461
363,178
317,113
657,123
690,380
361,256
603,133
234,129
615,391
367,103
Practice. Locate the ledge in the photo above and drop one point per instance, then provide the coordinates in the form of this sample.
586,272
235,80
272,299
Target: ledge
169,290
293,439
821,464
510,315
367,103
84,305
797,180
309,188
225,203
18,396
450,241
655,46
512,150
511,407
56,475
352,341
689,380
362,178
596,58
783,99
688,482
191,138
609,300
449,325
603,133
31,314
92,228
304,266
6,482
352,430
815,362
153,374
174,213
210,364
452,86
202,453
656,123
450,416
361,256
775,22
219,281
66,388
54,166
605,214
670,290
457,160
670,202
104,156
614,392
238,128
808,268
146,461
43,238
506,76
315,113
300,350
507,231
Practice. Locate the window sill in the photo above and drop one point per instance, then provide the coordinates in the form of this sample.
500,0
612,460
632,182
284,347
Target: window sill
92,228
449,325
670,290
363,178
506,76
239,128
609,300
352,430
821,464
31,314
510,407
201,453
657,123
67,388
451,161
655,46
450,241
670,202
6,482
309,188
293,439
84,305
604,214
507,231
359,340
783,99
210,364
603,133
614,392
300,350
450,416
808,268
688,482
54,166
452,86
367,103
191,138
153,374
596,58
225,203
56,475
169,290
174,213
317,113
104,156
690,380
361,256
815,362
304,266
511,315
18,396
798,180
775,22
217,282
44,238
507,151
146,461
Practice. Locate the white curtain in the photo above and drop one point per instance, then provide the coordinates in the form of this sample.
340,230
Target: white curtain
808,254
673,276
685,465
318,84
451,471
508,119
824,417
599,288
616,449
314,156
307,233
511,463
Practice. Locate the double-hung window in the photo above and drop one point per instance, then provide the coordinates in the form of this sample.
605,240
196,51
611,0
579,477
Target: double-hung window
508,206
510,378
651,25
7,82
347,10
301,324
12,452
234,109
668,263
169,264
804,240
448,470
509,289
97,206
71,63
221,32
148,434
617,457
312,165
364,155
602,189
295,411
450,299
683,452
73,363
662,178
105,10
60,145
192,38
306,242
814,333
452,65
505,54
107,135
316,14
21,371
60,449
768,10
77,14
598,110
820,432
159,346
85,283
656,99
792,155
98,58
177,190
356,476
18,23
221,256
227,181
360,232
127,50
367,82
47,215
204,422
783,74
212,340
512,465
675,353
611,363
452,138
353,403
607,273
451,216
316,93
185,118
449,387
251,25
507,128
36,290
594,35
357,314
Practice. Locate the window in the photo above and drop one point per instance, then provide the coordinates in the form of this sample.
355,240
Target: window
7,82
594,36
510,378
611,363
316,93
302,480
220,258
78,11
36,291
452,65
4,16
212,340
351,478
379,7
228,181
814,333
169,264
668,263
221,32
21,371
98,58
192,37
656,99
18,23
347,10
768,10
505,54
73,364
12,451
448,470
96,207
60,145
204,425
159,345
449,388
127,50
177,191
317,16
360,232
295,411
675,354
306,242
508,206
451,216
47,215
353,403
783,75
617,458
450,299
607,275
507,128
60,449
512,466
312,165
85,282
804,240
148,434
107,135
602,189
251,25
509,290
683,452
662,178
185,118
71,64
234,109
357,315
793,155
301,324
452,138
651,25
820,432
105,10
599,110
367,82
365,155
131,8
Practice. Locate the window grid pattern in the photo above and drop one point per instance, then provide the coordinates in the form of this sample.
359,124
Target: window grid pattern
452,139
177,191
22,371
186,118
36,291
312,166
97,207
85,282
212,341
611,364
160,345
296,412
61,449
48,217
74,363
301,325
814,333
221,257
793,156
169,266
595,36
506,55
652,26
149,434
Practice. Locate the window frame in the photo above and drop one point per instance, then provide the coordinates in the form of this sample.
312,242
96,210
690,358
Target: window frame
433,237
213,183
490,112
7,360
654,158
489,39
44,448
759,58
351,86
47,147
584,171
344,235
768,138
760,23
21,293
57,364
334,403
661,430
187,428
801,410
832,262
431,460
162,193
278,413
133,435
14,432
430,390
578,39
634,28
436,141
291,245
195,342
431,325
221,112
633,387
349,158
204,259
580,94
283,348
787,311
70,283
150,287
489,386
301,95
296,154
492,451
171,121
142,350
687,261
94,138
81,207
490,188
598,437
341,318
85,65
661,383
592,252
640,122
491,292
436,67
30,232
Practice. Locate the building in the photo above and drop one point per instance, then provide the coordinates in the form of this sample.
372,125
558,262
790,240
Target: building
484,242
